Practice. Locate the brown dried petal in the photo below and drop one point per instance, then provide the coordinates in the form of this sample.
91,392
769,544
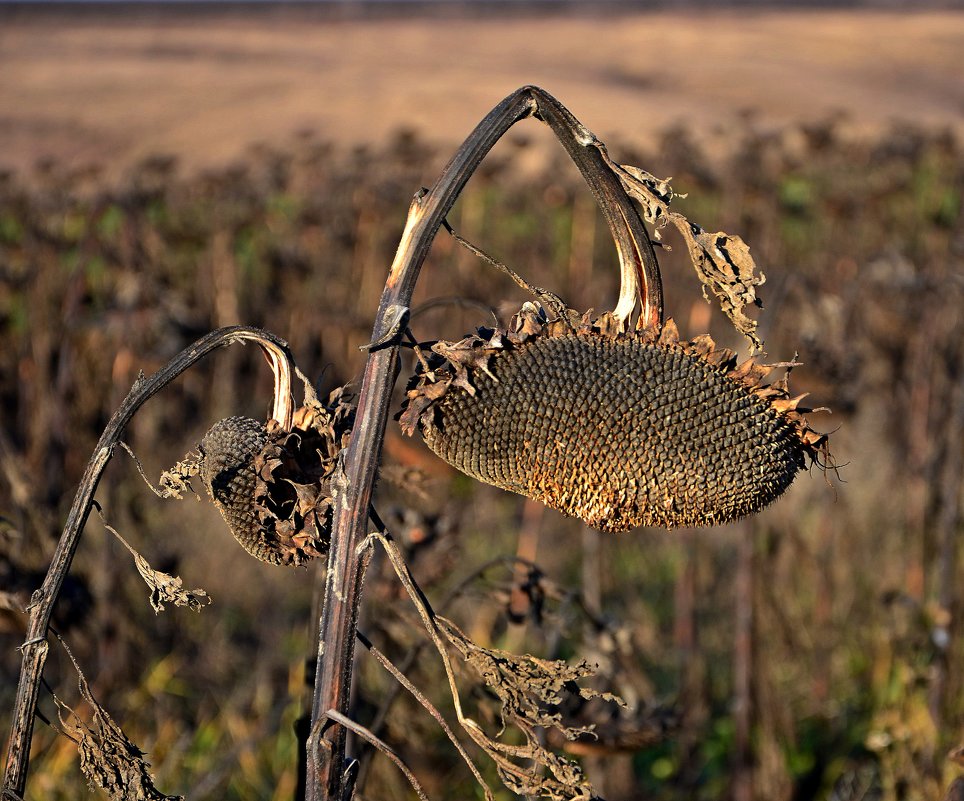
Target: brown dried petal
419,401
750,373
670,333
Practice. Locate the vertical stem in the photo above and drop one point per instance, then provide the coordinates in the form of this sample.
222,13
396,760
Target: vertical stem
353,485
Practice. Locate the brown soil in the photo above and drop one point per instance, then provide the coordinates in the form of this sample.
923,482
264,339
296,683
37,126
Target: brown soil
90,88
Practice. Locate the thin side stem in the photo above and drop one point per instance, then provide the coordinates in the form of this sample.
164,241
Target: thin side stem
35,647
382,746
402,679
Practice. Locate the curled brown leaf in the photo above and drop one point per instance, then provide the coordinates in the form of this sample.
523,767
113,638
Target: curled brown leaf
167,588
723,263
108,758
163,586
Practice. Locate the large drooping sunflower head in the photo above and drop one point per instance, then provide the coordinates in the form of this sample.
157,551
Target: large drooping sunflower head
618,429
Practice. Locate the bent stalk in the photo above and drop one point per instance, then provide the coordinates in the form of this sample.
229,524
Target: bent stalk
348,557
35,646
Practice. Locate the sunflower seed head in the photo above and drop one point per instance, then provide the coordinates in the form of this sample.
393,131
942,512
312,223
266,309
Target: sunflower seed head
229,475
272,486
618,430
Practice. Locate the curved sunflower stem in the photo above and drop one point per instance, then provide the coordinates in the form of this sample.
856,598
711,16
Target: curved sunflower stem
640,281
283,406
35,647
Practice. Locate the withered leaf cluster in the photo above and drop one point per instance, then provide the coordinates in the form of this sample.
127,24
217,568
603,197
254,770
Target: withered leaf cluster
529,690
166,588
531,693
108,758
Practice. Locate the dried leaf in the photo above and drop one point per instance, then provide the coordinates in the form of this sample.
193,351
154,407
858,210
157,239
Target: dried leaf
750,373
112,762
468,353
784,405
527,685
723,263
657,197
108,758
174,482
703,344
167,588
163,586
724,266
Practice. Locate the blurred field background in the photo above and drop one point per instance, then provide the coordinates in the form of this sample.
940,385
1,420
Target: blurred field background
165,172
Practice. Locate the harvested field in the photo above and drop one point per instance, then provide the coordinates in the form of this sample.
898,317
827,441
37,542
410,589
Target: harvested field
114,88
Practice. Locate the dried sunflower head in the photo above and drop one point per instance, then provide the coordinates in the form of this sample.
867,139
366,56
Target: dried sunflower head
271,485
618,429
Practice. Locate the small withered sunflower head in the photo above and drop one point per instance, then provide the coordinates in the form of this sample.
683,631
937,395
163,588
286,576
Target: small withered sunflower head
618,429
271,485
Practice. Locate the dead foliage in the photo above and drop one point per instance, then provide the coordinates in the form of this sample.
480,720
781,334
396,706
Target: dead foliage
108,758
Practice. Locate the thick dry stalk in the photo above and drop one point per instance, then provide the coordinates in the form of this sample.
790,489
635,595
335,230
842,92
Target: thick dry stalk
353,484
35,647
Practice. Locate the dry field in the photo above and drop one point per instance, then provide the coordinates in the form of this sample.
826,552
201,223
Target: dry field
113,89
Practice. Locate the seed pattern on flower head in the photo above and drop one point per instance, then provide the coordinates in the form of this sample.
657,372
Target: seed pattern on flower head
229,475
618,430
